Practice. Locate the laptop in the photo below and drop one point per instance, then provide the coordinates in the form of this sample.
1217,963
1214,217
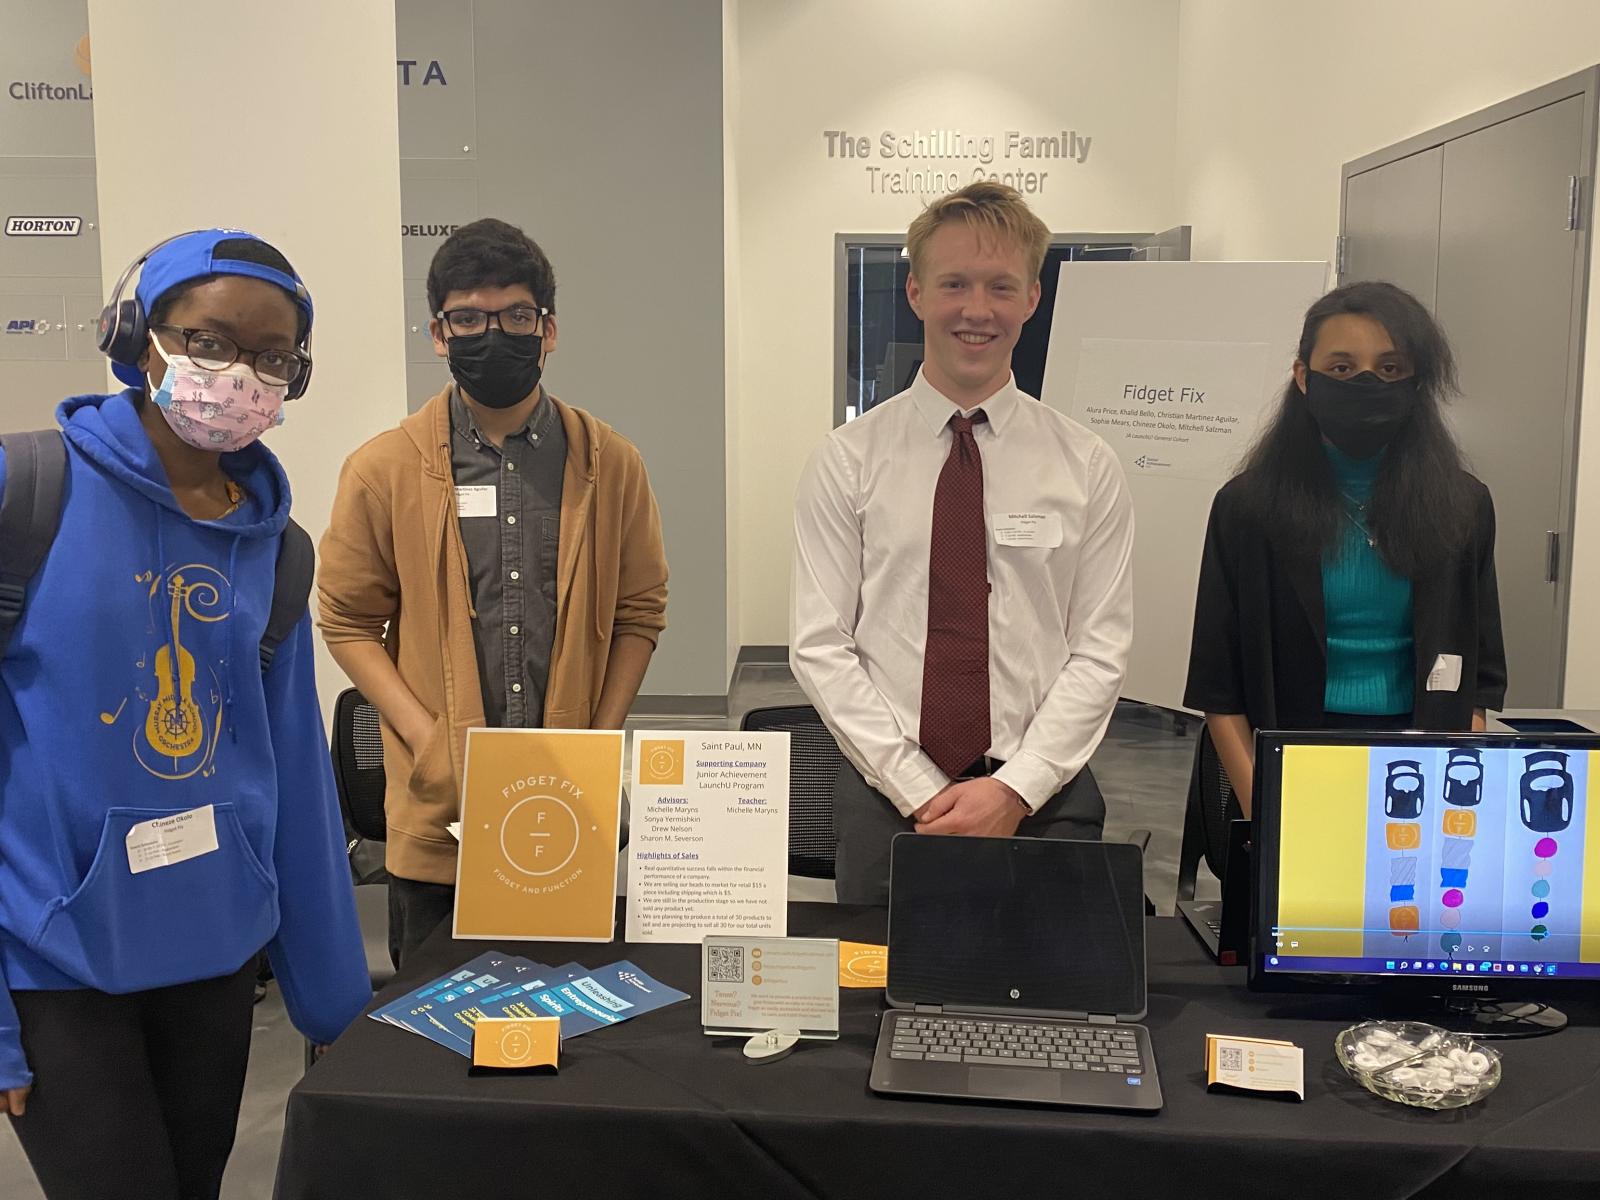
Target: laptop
1224,925
1016,969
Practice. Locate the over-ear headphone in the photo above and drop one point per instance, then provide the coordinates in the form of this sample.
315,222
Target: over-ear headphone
124,329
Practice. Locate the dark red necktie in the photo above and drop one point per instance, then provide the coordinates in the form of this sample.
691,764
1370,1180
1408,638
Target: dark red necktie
955,667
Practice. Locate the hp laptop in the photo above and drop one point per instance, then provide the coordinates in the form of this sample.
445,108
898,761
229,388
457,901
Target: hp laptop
1015,967
1224,925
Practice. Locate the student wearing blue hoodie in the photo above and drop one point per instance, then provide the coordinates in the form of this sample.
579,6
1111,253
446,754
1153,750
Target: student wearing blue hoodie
167,806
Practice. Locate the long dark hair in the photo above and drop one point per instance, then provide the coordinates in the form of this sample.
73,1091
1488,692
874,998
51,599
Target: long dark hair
1421,509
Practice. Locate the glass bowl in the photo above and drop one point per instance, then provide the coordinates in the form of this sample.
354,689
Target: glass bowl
1417,1064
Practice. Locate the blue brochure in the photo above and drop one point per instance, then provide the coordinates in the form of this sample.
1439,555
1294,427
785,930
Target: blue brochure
496,984
423,1010
593,999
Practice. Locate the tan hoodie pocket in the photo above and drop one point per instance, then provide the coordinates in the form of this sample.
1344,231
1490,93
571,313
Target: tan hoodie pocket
432,785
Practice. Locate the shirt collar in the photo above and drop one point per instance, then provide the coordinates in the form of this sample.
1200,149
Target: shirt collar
935,407
462,421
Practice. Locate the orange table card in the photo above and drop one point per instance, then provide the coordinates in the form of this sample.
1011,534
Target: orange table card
863,965
539,815
516,1043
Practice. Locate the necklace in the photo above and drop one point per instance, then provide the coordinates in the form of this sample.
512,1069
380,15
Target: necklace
1359,518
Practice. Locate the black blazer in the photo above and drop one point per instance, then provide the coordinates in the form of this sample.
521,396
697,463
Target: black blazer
1260,642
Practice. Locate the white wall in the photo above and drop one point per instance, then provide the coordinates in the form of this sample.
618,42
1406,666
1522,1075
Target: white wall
730,331
325,106
1276,95
1105,69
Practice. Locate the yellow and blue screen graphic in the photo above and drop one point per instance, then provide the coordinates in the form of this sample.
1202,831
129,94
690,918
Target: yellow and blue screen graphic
1443,853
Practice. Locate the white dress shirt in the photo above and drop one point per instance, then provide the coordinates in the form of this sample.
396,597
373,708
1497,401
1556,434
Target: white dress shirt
1060,617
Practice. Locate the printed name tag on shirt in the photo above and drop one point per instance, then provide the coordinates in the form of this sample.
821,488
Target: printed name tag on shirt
174,839
477,501
1446,674
1028,529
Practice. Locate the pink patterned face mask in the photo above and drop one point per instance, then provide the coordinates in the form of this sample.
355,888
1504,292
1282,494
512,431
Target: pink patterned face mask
219,411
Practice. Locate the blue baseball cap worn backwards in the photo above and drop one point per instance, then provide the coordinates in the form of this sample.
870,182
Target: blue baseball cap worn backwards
206,253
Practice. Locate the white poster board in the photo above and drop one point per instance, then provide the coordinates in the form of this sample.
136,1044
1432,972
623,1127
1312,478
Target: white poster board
1173,364
709,848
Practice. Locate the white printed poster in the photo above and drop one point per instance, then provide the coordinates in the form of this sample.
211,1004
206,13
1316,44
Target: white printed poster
1178,408
708,851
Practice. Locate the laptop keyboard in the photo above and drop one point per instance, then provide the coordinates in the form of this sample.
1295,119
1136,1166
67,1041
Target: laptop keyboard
1105,1049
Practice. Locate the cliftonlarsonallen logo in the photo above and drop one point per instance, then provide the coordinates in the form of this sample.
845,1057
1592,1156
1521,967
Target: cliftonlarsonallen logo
43,226
47,91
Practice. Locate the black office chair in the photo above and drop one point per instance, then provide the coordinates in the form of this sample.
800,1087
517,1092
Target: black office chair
1211,806
358,774
814,761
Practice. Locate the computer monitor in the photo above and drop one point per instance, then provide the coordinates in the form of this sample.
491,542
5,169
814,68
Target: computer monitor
1457,872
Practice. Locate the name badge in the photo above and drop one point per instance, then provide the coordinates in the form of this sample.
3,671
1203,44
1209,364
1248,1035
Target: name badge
477,501
1028,529
1446,674
170,840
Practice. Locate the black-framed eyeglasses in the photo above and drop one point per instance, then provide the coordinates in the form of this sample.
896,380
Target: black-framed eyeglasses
213,351
521,320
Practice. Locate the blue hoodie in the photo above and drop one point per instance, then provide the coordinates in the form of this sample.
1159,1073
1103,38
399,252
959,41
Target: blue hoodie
132,690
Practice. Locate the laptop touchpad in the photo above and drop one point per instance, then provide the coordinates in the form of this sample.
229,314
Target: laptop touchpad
1014,1083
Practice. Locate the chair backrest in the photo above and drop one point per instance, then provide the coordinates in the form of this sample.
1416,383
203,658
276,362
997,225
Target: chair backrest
358,765
814,761
1211,806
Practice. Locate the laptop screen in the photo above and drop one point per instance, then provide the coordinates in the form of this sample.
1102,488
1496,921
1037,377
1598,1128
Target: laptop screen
1018,925
1425,854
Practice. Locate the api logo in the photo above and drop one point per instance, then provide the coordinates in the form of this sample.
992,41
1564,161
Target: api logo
43,226
22,325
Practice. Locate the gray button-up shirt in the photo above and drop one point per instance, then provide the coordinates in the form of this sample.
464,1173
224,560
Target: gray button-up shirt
511,556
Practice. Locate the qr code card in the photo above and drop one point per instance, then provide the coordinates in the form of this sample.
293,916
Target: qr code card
725,964
751,985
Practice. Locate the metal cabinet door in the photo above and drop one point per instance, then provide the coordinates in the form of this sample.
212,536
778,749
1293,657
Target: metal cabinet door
1507,263
1391,224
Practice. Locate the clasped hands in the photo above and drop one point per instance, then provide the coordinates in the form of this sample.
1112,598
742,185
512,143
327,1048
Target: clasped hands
982,807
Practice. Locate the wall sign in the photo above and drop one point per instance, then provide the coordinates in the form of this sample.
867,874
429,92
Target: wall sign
933,162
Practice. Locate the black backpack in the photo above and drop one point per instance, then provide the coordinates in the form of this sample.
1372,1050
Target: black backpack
30,515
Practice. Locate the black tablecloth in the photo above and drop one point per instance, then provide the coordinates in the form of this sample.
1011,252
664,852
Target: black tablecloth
654,1108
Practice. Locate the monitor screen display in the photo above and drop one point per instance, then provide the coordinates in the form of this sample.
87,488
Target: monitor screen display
1464,855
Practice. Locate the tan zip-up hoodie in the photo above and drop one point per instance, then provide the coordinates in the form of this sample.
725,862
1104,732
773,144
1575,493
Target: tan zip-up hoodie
392,569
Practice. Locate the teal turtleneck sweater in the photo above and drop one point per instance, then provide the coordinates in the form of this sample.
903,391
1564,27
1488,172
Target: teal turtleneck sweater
1371,667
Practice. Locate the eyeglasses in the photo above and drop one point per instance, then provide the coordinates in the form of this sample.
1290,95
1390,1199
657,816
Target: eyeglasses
212,351
521,320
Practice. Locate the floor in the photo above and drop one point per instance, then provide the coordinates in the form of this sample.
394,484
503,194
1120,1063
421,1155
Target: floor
1142,766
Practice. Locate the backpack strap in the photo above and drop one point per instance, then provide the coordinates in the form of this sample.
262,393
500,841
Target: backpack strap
30,514
291,589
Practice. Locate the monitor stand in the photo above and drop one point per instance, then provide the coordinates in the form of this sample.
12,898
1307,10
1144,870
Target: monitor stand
1486,1017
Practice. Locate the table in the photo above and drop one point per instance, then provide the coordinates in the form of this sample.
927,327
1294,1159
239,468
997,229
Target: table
1587,718
654,1108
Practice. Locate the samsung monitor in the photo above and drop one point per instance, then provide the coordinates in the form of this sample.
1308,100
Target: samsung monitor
1457,872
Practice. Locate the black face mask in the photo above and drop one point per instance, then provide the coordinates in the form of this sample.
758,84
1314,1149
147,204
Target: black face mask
497,369
1359,415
